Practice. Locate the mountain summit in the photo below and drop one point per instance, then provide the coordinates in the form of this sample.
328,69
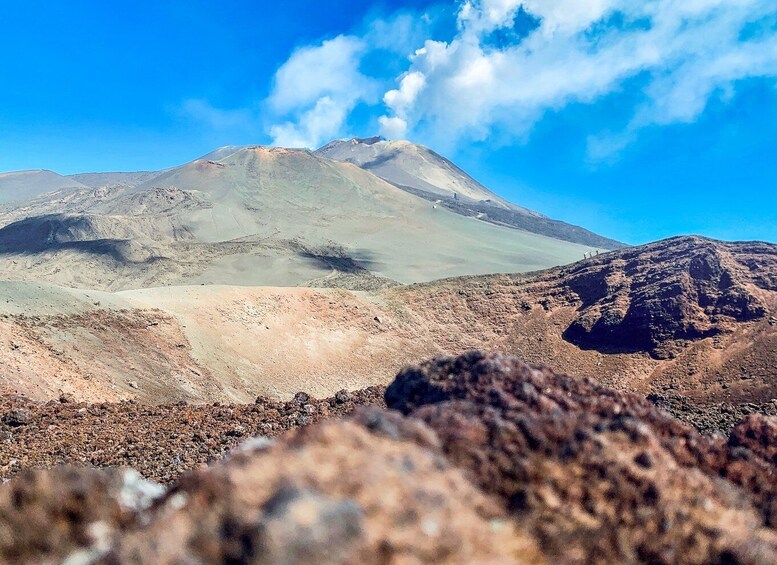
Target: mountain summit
413,167
420,171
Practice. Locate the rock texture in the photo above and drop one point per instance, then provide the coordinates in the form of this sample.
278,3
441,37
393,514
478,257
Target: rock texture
161,442
688,318
374,490
597,475
46,516
646,299
485,460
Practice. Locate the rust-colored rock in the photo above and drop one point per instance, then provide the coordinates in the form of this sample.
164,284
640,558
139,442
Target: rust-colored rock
46,516
493,461
645,299
757,433
373,490
597,475
376,489
161,441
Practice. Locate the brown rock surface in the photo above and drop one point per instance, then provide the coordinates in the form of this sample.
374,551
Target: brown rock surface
160,441
648,298
47,515
374,490
681,318
499,462
598,475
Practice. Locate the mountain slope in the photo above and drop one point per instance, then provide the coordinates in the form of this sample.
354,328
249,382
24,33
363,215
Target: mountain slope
21,185
421,171
258,216
413,166
98,180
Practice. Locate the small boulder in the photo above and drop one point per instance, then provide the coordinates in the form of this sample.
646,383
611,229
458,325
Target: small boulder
301,398
17,417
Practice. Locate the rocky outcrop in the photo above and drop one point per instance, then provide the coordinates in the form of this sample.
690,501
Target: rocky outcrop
484,459
651,297
596,475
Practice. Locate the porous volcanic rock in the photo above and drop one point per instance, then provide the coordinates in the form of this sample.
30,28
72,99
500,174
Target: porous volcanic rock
376,489
717,417
758,433
598,475
647,298
160,441
485,460
373,490
46,516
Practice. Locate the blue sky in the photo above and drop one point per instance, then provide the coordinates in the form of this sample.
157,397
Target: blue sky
639,120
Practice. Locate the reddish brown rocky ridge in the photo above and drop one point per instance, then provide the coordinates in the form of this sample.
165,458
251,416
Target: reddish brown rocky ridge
644,299
687,320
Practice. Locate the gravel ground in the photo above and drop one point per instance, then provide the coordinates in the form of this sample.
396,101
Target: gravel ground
161,442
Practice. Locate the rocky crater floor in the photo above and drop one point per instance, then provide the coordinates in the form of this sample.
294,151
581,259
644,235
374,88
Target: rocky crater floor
472,459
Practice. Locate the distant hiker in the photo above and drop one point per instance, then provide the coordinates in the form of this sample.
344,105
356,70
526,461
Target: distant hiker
455,196
597,252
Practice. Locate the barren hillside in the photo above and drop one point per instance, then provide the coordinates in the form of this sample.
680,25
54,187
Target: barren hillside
254,216
686,320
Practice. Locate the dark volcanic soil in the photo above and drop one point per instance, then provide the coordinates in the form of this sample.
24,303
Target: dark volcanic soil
161,441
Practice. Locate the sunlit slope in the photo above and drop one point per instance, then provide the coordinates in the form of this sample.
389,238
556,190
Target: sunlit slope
422,172
413,166
257,216
20,185
271,193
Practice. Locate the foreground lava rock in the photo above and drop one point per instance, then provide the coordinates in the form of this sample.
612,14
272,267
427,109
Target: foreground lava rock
373,490
484,460
376,489
595,474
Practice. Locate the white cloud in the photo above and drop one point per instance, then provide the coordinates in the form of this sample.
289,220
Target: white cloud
319,123
392,127
685,52
489,80
316,89
400,100
216,118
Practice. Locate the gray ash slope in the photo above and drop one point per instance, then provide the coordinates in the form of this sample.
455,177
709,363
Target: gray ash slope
421,171
254,216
